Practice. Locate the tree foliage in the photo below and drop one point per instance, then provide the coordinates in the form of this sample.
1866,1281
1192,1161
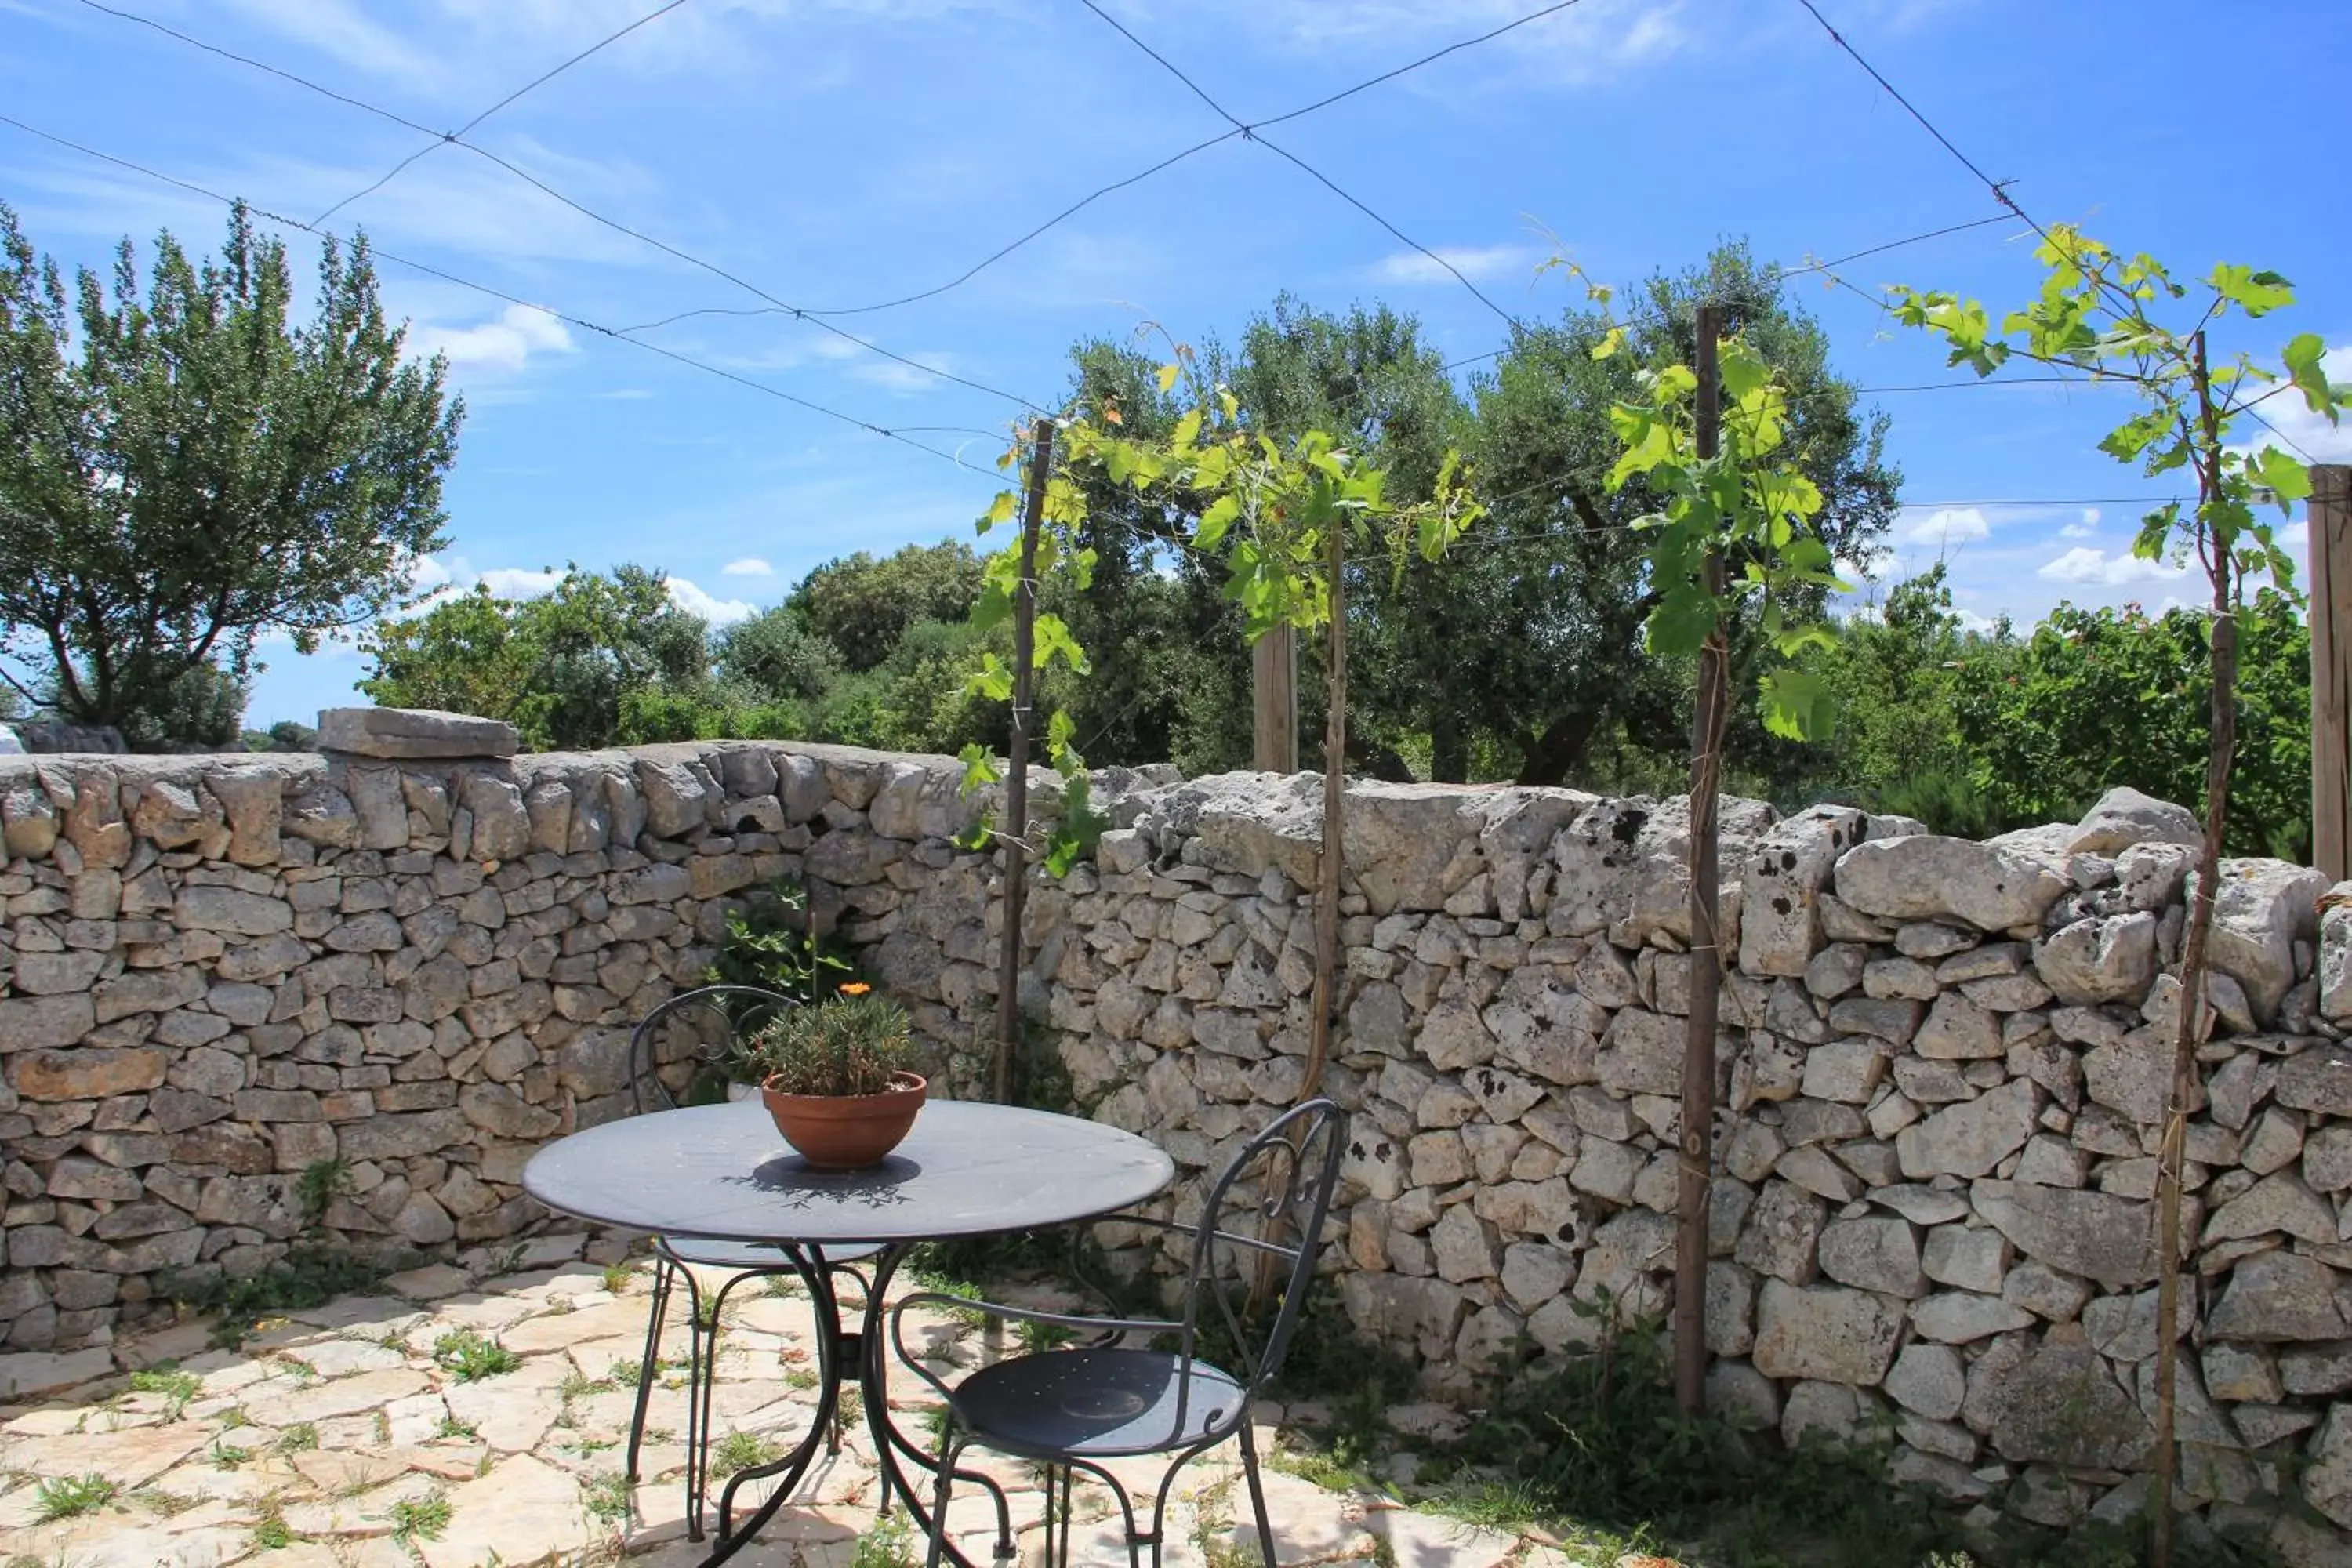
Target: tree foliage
181,469
597,661
1981,732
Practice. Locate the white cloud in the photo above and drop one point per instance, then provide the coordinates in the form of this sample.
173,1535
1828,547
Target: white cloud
519,582
504,344
717,612
922,376
1478,263
1947,526
1970,621
750,566
2298,426
2087,565
1585,42
2084,526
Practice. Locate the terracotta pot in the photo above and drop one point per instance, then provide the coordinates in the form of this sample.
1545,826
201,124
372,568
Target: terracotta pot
847,1132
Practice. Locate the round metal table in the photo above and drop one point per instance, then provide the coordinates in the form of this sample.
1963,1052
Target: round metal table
722,1172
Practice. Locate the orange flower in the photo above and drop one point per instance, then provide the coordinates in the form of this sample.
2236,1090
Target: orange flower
855,988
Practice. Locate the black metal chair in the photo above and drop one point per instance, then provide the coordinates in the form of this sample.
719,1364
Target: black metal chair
1076,1409
735,1010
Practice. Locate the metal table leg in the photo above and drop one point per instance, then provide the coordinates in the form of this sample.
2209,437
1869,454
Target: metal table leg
831,1345
890,1443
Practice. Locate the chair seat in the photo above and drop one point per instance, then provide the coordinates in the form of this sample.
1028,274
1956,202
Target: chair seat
1093,1402
750,1255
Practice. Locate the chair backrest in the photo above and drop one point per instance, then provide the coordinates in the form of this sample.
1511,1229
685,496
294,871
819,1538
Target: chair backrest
697,1027
1262,1224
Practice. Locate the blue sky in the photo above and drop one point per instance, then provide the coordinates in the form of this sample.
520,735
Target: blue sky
837,153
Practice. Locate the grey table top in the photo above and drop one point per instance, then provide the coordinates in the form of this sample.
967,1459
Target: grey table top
967,1169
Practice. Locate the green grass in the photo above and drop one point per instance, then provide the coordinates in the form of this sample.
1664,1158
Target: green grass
70,1497
234,1417
178,1388
226,1456
623,1372
298,1438
608,1497
310,1275
739,1451
579,1385
888,1544
618,1277
419,1519
270,1530
452,1427
470,1355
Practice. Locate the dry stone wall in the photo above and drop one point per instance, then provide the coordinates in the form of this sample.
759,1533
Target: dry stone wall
1942,1062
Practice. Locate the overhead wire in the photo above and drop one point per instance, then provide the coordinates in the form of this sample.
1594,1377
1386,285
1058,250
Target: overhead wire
540,80
457,138
1238,130
583,322
1249,132
2000,188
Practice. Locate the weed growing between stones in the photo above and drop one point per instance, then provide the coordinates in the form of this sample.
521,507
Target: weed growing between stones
320,1184
451,1427
69,1497
227,1455
419,1519
1595,1439
311,1274
176,1387
470,1355
298,1438
739,1451
270,1530
617,1278
890,1544
607,1497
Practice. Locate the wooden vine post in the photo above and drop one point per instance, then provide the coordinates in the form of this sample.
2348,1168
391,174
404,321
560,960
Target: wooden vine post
1695,1186
2330,512
1274,701
1014,840
1334,789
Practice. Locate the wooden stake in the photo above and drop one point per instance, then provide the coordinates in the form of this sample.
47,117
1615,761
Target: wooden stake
1015,837
2331,669
1694,1187
1274,701
1335,786
2185,1039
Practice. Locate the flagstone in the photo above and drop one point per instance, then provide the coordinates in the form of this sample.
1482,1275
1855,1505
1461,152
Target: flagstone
430,1283
524,1510
366,1391
130,1460
363,1513
555,1330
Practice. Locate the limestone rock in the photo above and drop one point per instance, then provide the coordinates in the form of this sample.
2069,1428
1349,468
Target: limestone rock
2278,1295
405,733
1873,1253
2261,910
1924,876
1825,1332
1782,880
2100,959
1928,1380
2063,1407
1969,1138
2123,816
2092,1233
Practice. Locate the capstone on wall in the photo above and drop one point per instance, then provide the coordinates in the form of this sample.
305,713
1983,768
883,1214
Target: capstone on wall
1942,1063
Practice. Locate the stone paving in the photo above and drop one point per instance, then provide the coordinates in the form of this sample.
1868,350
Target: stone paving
336,1437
